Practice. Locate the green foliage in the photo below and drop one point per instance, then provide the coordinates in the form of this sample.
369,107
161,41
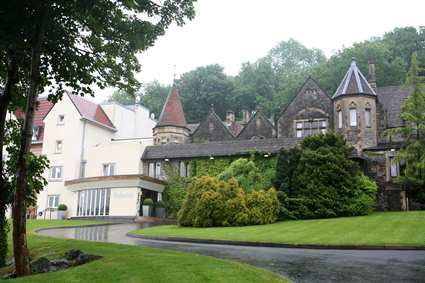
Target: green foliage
208,167
318,180
122,97
203,87
413,150
212,202
245,172
160,204
175,191
37,165
154,96
62,207
148,201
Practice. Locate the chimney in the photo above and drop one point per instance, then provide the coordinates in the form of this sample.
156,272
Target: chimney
372,75
246,115
230,117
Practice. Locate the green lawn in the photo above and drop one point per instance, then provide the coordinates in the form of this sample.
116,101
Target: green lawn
122,263
383,228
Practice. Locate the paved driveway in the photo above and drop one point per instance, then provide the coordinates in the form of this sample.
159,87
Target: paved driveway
300,265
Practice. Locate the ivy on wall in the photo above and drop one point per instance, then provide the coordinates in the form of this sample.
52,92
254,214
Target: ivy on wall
213,167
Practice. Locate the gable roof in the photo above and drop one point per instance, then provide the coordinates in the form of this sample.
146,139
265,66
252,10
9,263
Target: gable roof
91,111
172,113
309,82
251,122
392,100
219,148
203,130
354,83
41,111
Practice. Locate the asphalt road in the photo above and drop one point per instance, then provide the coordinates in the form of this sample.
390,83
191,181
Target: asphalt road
300,265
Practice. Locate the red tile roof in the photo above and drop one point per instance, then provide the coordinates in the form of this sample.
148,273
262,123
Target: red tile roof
44,107
172,113
90,110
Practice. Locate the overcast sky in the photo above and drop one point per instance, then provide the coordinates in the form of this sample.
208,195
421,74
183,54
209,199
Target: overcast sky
230,32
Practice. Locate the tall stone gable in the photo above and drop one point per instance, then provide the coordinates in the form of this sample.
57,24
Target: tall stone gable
212,129
310,103
258,127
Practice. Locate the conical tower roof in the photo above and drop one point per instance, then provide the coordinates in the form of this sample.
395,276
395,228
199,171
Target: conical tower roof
172,113
354,83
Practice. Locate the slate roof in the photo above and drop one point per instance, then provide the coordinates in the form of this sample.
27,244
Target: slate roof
172,113
354,83
222,148
192,127
392,100
90,111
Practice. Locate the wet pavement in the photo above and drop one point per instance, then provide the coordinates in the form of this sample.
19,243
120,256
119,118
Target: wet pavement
300,265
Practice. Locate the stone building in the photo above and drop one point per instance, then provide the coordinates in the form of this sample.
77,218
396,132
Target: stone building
359,110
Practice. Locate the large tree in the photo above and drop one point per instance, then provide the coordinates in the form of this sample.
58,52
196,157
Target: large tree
413,150
73,45
203,87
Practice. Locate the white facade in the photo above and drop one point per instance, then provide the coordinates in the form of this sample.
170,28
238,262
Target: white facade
83,152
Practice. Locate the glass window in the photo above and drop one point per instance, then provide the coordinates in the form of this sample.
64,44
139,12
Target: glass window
58,148
151,169
52,201
94,202
393,167
35,133
108,169
157,169
56,172
353,117
367,118
182,169
299,133
340,121
61,119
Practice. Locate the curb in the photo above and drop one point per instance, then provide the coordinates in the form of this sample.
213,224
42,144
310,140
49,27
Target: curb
277,245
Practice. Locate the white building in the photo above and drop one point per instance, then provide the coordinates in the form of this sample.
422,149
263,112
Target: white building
95,152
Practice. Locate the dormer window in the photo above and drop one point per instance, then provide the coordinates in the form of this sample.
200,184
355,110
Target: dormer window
35,133
61,119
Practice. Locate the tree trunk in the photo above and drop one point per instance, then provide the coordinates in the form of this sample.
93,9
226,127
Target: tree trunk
20,249
11,81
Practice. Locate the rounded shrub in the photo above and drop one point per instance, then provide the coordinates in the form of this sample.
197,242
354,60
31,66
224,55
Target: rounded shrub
62,207
148,201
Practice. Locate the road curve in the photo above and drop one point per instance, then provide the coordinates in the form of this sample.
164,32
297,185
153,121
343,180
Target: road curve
300,265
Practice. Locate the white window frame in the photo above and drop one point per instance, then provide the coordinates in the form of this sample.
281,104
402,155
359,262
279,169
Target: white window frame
316,126
54,199
353,117
157,169
151,169
108,169
61,119
56,173
183,169
58,149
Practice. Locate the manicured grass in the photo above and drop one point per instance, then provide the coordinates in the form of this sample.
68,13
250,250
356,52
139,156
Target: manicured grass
123,263
384,228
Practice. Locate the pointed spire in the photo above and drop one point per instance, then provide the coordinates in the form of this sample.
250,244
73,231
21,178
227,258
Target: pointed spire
172,113
354,83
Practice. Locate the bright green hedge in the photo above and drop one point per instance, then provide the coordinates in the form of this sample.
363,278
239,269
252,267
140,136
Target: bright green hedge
211,202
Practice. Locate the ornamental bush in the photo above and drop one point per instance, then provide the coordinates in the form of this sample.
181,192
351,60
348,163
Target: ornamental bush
319,180
213,202
246,174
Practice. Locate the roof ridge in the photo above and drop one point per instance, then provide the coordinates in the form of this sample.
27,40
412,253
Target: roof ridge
354,75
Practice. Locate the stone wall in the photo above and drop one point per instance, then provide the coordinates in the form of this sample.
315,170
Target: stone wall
258,127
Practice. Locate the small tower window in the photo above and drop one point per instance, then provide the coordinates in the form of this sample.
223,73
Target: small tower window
340,119
367,118
353,117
